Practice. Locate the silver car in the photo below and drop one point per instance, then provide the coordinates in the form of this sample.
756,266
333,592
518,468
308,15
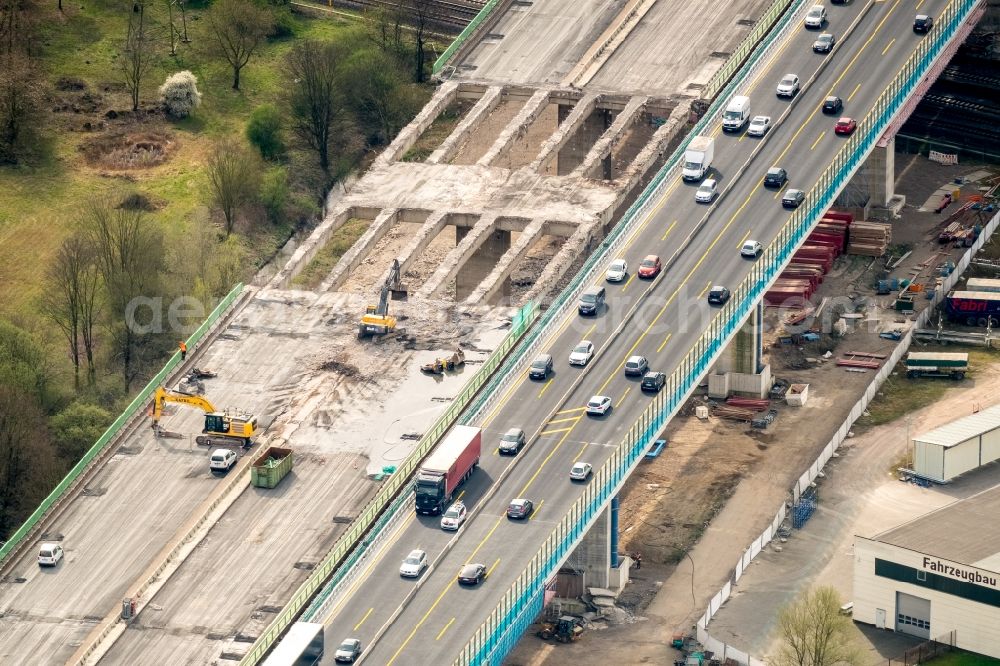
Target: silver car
414,564
582,353
706,193
581,471
788,86
759,126
617,271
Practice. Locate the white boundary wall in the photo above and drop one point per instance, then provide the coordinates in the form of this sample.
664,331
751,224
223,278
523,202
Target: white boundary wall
722,650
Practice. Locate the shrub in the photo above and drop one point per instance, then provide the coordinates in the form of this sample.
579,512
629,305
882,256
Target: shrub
179,94
264,131
274,194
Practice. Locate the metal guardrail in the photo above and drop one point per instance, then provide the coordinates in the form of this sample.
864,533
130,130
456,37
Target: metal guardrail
464,35
113,430
522,602
393,495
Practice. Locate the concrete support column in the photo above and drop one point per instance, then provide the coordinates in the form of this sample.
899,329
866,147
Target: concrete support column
497,280
443,96
648,156
604,146
482,262
516,127
740,368
468,242
880,173
376,230
592,555
432,227
578,245
577,118
575,150
489,101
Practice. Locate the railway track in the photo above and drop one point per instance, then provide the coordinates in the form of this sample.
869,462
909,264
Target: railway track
450,15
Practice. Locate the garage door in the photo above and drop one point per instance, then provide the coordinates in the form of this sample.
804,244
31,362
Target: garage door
913,615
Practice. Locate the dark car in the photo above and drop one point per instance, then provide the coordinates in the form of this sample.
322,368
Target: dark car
520,508
832,105
472,574
348,651
653,381
512,442
922,23
775,177
824,43
540,367
718,295
650,267
793,198
591,300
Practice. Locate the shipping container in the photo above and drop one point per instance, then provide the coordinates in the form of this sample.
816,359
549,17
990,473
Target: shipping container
271,467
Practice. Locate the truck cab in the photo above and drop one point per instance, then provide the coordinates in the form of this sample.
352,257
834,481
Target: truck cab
430,493
737,114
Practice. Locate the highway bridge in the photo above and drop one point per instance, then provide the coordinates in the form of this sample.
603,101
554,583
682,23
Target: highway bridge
877,61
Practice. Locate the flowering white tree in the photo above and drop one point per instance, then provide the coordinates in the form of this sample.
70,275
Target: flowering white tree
179,94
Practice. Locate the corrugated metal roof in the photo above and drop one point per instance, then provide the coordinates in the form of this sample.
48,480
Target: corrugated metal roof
958,431
966,532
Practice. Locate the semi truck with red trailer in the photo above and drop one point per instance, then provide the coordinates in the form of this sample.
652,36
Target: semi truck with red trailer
973,308
444,470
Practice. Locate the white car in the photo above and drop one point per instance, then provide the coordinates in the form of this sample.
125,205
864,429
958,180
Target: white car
599,405
788,86
759,126
581,471
49,554
751,248
617,271
454,517
414,564
221,461
582,353
706,193
816,16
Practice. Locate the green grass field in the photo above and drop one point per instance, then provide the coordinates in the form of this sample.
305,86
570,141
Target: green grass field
961,658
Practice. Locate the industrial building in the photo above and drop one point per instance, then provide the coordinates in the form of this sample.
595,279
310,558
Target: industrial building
959,447
936,574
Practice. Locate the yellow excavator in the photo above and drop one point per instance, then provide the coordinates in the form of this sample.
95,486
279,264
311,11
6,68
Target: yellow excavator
377,320
219,426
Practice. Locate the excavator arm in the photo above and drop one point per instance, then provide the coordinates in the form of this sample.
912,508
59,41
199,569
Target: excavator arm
163,396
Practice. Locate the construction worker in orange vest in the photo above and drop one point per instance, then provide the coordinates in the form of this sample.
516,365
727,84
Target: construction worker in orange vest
184,349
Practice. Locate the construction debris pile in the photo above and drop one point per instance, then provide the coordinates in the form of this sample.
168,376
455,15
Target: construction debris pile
861,361
802,277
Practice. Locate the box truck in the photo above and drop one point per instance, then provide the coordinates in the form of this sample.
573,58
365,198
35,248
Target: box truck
698,158
451,463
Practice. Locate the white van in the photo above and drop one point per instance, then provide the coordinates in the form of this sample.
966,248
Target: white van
737,114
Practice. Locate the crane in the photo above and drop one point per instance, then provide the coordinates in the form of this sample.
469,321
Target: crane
377,320
230,424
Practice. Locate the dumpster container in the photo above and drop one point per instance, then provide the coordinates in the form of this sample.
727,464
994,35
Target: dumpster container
271,467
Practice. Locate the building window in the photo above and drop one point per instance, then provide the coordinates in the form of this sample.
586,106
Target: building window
922,575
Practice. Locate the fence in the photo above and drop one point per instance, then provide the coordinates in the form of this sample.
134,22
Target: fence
393,495
523,600
925,651
79,470
464,35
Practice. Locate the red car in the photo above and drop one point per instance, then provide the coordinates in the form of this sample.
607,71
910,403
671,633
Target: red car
650,266
845,126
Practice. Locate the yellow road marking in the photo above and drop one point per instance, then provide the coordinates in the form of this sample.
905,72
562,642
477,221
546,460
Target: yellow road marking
535,510
622,399
589,330
818,139
669,229
418,625
548,383
664,343
506,396
568,418
460,496
557,431
450,622
580,452
702,294
538,471
358,625
490,570
629,281
888,46
488,535
854,92
744,239
918,4
569,411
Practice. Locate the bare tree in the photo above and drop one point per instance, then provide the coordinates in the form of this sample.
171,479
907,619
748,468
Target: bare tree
17,26
182,5
239,27
385,28
129,257
233,177
814,633
20,106
171,28
27,463
422,14
137,50
314,97
71,296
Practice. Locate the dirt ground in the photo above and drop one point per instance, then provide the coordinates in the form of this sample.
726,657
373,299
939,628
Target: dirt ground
676,509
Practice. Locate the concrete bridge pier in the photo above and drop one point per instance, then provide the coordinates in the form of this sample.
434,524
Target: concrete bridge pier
740,369
874,183
480,265
596,558
468,242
